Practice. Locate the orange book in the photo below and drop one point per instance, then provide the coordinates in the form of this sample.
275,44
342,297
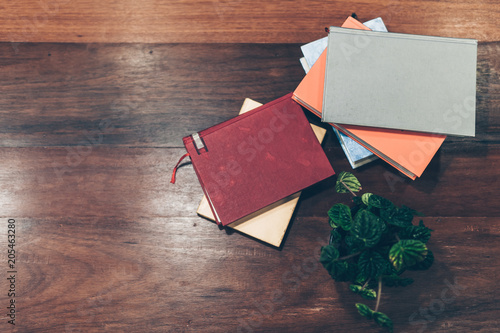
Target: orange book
409,152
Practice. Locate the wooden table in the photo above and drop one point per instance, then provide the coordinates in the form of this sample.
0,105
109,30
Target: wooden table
94,101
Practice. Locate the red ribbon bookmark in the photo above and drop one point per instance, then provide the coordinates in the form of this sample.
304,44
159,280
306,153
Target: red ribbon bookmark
172,180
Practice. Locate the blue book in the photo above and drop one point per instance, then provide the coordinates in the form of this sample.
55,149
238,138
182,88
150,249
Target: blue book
356,154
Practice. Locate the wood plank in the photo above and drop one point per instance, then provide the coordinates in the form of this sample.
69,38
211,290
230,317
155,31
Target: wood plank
151,95
95,181
176,274
242,21
104,181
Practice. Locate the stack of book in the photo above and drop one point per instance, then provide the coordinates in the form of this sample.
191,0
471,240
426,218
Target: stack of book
253,167
270,223
388,95
396,95
356,154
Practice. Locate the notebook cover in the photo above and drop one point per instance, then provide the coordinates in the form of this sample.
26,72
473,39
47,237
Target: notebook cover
400,81
382,142
409,152
257,158
270,223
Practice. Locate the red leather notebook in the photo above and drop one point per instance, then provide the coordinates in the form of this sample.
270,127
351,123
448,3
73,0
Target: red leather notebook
256,159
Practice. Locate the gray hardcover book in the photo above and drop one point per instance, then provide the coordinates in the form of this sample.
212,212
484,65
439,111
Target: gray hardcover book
401,81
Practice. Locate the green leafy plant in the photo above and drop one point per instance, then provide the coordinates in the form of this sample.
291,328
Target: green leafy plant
371,244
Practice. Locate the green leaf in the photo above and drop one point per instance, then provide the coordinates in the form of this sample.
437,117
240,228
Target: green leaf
343,271
413,211
329,255
357,201
338,270
424,264
383,320
364,310
366,293
367,228
360,279
355,288
405,214
340,215
347,179
387,214
400,217
377,201
371,264
420,233
407,253
365,198
396,281
353,244
335,237
383,226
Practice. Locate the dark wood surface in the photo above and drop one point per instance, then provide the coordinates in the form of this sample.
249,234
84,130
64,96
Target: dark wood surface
90,132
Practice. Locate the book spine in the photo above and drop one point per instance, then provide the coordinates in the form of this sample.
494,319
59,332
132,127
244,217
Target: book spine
190,147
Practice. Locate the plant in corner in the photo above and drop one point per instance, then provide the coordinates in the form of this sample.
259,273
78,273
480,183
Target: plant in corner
371,244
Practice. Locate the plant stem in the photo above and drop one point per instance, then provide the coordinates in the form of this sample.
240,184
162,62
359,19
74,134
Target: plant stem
349,256
379,292
366,283
397,237
347,187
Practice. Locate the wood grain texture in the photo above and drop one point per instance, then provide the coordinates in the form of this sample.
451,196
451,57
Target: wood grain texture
240,21
176,274
90,131
135,182
151,95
